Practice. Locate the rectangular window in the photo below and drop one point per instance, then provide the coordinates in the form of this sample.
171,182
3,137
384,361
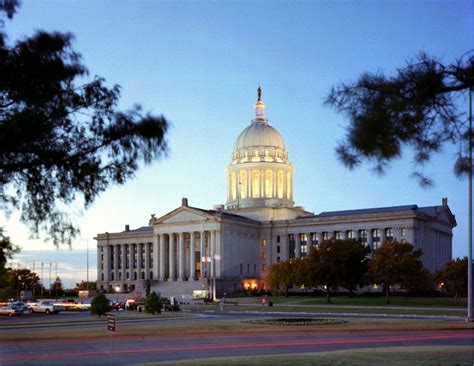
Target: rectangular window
291,246
278,249
254,268
264,243
278,238
264,267
278,259
264,255
375,239
304,250
389,233
350,234
363,236
325,235
403,231
241,269
338,235
314,239
248,268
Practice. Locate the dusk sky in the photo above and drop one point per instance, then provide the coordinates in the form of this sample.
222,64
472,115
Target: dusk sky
199,64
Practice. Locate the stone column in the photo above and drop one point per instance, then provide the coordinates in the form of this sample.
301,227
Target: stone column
147,261
162,257
172,271
192,258
181,257
124,261
309,243
297,245
107,263
130,261
139,260
156,254
203,254
262,183
249,184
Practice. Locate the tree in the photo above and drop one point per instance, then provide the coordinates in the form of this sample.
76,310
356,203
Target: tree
84,286
453,277
285,275
351,260
99,305
417,107
61,141
7,250
322,268
153,304
24,279
57,287
393,264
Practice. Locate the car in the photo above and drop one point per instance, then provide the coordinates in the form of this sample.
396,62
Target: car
117,306
10,310
21,305
47,307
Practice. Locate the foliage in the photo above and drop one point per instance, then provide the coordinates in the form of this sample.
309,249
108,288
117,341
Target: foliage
394,263
286,274
24,279
453,277
62,141
322,268
153,304
7,249
351,261
99,305
84,286
417,107
57,287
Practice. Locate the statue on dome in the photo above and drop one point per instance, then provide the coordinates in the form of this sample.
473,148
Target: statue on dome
259,93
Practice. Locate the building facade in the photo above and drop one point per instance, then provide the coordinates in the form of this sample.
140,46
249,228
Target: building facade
231,247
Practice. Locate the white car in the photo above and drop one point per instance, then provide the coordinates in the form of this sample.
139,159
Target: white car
47,307
10,310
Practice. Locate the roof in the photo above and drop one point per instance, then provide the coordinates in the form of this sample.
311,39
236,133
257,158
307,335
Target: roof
372,210
143,228
225,214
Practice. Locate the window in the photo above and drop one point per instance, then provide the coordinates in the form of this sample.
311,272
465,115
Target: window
278,259
278,249
314,239
120,276
254,268
363,236
255,184
264,255
338,235
102,276
375,239
143,275
241,269
248,268
151,275
264,243
304,250
389,233
135,276
350,234
264,267
291,246
403,231
325,235
278,238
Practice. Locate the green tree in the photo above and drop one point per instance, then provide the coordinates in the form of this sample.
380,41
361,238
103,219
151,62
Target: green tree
153,304
417,107
24,279
393,264
7,250
453,277
322,268
99,305
84,286
62,140
284,275
57,289
351,260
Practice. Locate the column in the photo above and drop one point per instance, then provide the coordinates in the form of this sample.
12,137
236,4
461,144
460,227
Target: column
156,255
115,249
181,257
124,261
213,263
192,258
309,243
139,261
130,261
162,257
297,245
249,184
171,258
370,240
274,183
107,263
262,183
147,261
203,254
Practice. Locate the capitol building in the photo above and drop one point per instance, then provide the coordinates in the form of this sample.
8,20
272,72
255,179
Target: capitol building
231,247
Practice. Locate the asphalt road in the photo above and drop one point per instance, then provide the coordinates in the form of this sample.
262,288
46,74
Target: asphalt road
116,350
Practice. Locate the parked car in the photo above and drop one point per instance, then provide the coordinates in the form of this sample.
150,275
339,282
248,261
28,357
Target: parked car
167,306
47,307
21,305
10,310
117,306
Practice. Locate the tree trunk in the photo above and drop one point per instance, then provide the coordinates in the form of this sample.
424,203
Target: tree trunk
328,295
286,291
387,294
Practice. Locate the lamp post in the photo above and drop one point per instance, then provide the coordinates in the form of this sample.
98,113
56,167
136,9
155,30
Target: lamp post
117,290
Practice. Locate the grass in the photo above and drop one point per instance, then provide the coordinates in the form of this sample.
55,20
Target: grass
371,301
418,356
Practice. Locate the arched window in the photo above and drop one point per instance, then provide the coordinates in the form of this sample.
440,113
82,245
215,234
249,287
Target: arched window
256,184
268,183
243,184
280,184
288,186
234,186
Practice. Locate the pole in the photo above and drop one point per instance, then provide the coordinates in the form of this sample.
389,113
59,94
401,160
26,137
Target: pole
42,279
469,258
87,265
50,266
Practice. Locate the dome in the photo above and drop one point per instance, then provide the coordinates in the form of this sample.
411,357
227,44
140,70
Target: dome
259,134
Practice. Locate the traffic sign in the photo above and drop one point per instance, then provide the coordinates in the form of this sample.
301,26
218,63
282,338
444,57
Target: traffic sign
111,323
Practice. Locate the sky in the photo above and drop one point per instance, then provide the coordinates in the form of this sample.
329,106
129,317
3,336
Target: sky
199,64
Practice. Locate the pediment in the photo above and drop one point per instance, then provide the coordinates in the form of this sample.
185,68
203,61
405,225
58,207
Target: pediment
183,215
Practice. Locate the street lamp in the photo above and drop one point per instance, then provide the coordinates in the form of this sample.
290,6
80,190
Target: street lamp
117,290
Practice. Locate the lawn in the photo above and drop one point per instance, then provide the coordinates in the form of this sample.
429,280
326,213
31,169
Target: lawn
417,356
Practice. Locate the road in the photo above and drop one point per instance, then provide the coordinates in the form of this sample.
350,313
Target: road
123,350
